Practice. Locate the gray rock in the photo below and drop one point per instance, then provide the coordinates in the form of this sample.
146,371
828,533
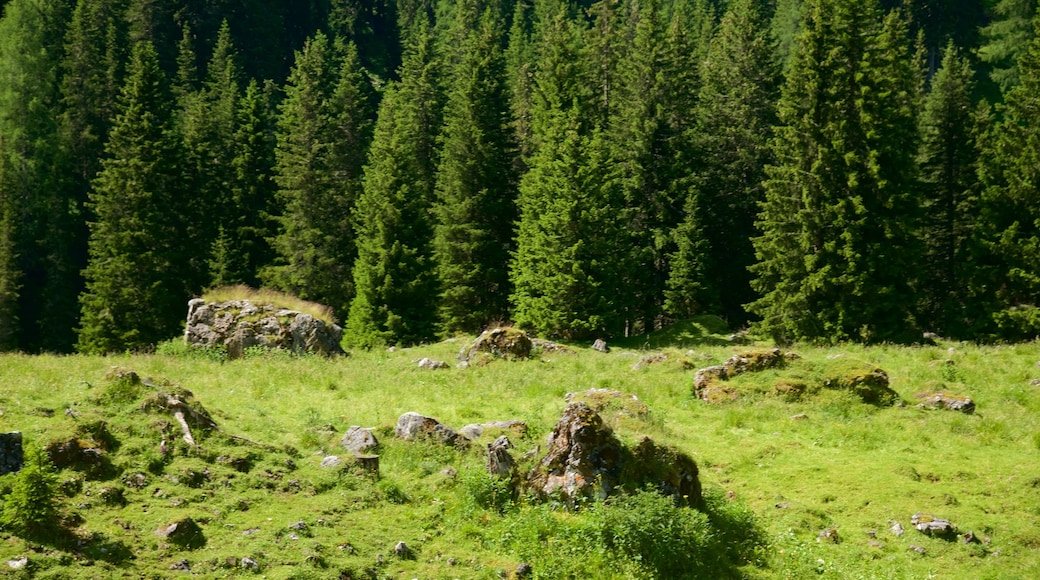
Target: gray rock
18,563
896,529
331,461
359,440
239,325
12,455
412,426
499,462
947,401
184,533
930,525
402,551
432,365
249,564
829,536
600,345
508,343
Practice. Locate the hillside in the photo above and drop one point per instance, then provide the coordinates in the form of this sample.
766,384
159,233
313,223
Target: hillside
777,471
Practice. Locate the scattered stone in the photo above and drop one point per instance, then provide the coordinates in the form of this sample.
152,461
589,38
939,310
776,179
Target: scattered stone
249,564
930,525
112,496
359,439
875,544
402,551
432,365
18,563
508,343
946,401
668,470
412,426
829,536
706,379
602,400
331,461
600,345
866,381
650,359
12,456
970,538
499,462
300,526
548,346
79,454
449,472
799,417
239,325
367,463
896,528
917,549
181,566
523,570
782,505
1034,383
474,431
184,533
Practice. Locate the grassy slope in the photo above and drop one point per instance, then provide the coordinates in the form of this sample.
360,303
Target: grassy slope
848,466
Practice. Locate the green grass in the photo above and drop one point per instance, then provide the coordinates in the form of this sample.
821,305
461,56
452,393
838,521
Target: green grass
271,297
773,483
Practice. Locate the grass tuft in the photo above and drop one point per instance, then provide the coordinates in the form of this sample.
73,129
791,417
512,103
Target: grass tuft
274,298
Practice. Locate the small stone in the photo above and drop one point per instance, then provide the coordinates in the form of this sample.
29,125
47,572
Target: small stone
18,563
1034,383
452,561
896,529
331,461
799,417
829,535
917,549
875,544
432,365
523,570
299,526
401,550
930,525
782,505
600,345
182,565
970,538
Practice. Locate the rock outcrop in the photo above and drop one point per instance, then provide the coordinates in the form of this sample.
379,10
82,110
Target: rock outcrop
238,325
508,343
941,400
11,453
413,426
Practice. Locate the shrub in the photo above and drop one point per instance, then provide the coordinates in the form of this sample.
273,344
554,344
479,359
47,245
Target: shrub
31,508
487,491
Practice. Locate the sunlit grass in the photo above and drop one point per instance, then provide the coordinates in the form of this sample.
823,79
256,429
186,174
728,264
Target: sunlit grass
274,298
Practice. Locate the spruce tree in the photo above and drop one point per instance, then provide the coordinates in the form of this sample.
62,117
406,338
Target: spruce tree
1011,203
836,252
323,135
10,273
734,119
949,164
136,293
475,207
395,274
1005,39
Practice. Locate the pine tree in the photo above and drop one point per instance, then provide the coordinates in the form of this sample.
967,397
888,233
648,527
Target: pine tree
1005,40
10,273
734,119
323,134
136,292
949,165
475,206
1011,203
394,274
41,221
836,252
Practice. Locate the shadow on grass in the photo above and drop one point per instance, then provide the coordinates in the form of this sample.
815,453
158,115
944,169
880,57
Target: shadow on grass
703,330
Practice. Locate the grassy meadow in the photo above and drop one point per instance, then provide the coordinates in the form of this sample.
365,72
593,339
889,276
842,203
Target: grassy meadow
777,471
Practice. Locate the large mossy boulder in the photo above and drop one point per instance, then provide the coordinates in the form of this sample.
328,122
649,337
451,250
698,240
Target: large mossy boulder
239,325
504,342
866,381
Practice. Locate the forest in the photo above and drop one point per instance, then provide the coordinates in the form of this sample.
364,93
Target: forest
817,170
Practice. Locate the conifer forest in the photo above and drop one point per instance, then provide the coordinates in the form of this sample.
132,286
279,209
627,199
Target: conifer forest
816,170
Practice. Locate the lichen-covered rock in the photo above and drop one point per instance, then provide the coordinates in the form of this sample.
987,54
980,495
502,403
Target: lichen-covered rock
499,462
239,325
754,361
866,381
940,400
474,431
412,426
607,400
666,469
583,458
359,440
508,343
930,525
431,364
184,533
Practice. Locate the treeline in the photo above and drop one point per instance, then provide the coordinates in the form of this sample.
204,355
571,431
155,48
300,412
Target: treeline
827,170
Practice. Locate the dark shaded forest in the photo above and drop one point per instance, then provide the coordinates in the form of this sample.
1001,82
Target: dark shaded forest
821,170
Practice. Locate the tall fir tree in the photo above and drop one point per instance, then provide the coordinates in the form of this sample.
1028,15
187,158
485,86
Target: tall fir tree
1011,203
395,274
734,119
476,187
949,166
836,253
323,136
10,273
1006,39
43,217
135,292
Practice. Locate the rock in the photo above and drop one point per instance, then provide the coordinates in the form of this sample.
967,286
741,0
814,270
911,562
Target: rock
12,456
18,563
896,529
946,401
181,566
523,570
412,426
331,461
600,345
508,343
581,455
81,455
666,469
866,381
650,359
402,551
920,550
707,378
799,417
300,526
184,533
359,440
1034,383
930,525
432,365
829,536
499,462
548,346
239,325
367,463
601,400
249,564
970,538
474,431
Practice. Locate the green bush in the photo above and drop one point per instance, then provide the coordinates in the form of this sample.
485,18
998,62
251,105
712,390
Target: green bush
31,508
487,491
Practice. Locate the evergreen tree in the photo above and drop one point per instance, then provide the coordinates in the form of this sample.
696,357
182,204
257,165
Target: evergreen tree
1005,39
41,217
395,274
949,163
475,206
734,119
136,291
1011,203
323,134
836,252
10,273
